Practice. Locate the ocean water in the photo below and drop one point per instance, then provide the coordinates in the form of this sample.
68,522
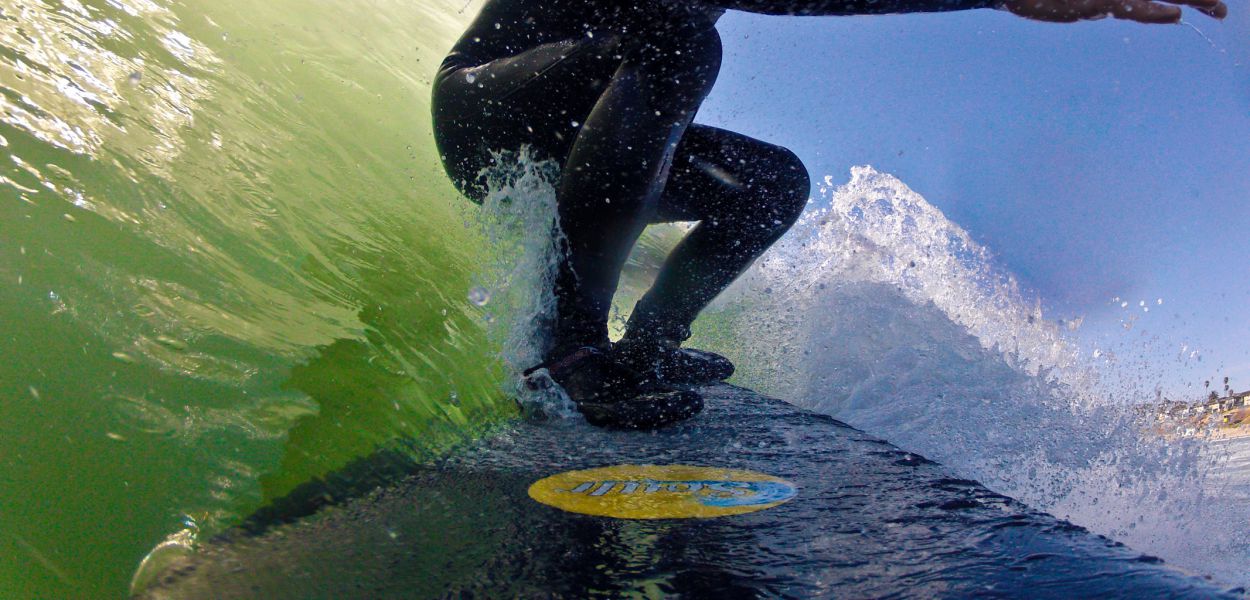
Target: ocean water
1230,475
231,264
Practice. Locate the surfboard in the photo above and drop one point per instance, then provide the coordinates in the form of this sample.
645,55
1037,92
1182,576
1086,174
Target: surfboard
753,498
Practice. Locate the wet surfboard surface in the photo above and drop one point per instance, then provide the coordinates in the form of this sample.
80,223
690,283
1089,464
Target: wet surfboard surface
842,514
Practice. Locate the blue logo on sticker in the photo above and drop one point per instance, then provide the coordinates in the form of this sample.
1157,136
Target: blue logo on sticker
746,493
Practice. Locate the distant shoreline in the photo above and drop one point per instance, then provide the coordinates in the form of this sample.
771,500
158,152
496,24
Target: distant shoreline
1214,419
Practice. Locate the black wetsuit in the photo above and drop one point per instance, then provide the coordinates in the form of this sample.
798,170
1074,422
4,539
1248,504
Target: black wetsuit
608,89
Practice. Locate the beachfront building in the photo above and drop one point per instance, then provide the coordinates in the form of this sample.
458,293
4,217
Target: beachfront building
1232,410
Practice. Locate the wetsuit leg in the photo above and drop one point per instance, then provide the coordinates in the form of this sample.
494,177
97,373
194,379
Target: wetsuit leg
629,156
611,111
745,193
617,168
537,98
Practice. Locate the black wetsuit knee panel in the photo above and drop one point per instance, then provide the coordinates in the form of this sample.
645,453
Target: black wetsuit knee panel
794,185
778,184
682,51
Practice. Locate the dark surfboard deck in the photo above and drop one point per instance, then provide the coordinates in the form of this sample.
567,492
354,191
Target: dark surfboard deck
870,520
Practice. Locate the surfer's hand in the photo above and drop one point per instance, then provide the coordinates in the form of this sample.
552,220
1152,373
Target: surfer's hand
1142,11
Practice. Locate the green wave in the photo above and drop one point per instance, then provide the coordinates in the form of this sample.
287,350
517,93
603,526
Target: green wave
231,264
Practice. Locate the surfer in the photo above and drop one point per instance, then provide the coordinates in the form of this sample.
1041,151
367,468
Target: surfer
609,89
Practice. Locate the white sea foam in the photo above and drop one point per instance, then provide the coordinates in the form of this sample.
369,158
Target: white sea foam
880,311
518,219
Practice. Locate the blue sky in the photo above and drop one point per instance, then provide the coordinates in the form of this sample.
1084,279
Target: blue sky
1096,160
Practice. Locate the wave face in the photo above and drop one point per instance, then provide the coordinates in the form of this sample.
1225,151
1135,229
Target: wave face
230,263
880,311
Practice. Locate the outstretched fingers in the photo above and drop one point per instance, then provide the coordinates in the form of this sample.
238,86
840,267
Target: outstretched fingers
1148,11
1211,8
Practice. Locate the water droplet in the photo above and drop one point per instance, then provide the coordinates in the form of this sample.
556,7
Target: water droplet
470,77
479,296
169,342
135,78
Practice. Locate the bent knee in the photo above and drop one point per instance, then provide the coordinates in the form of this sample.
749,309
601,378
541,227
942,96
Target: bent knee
683,58
794,183
780,183
702,49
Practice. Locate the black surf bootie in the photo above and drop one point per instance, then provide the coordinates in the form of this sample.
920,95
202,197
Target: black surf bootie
672,364
610,394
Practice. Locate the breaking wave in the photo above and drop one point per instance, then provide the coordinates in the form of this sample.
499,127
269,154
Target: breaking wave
880,311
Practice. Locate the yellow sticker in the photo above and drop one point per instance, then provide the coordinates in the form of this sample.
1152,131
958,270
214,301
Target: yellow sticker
662,491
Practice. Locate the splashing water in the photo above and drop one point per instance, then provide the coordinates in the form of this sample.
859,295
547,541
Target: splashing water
519,222
880,311
1201,34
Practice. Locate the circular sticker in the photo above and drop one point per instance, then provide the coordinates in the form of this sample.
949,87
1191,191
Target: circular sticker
662,491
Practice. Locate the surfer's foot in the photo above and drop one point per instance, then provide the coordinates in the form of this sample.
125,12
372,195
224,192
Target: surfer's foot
672,364
610,394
